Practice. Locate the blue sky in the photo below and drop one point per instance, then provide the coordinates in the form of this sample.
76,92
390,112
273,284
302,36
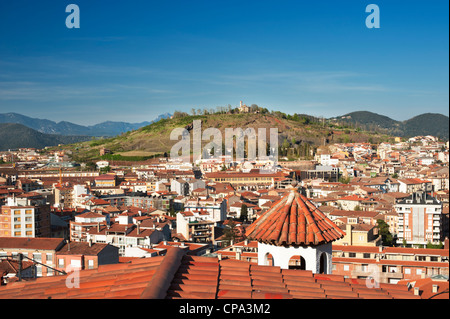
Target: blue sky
133,60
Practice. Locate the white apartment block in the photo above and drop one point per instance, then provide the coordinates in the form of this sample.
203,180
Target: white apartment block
420,219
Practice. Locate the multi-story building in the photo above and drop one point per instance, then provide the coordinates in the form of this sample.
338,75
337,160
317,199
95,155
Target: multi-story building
196,226
105,181
42,250
419,219
216,209
25,221
80,227
411,185
63,196
129,232
246,181
389,264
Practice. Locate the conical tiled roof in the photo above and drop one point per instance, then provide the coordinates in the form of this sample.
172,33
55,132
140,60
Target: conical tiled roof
294,220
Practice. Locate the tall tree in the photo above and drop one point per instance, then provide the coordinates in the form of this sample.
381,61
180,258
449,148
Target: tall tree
244,212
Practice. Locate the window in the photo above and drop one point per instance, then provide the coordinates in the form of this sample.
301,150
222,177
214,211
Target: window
38,270
91,264
346,267
352,255
60,262
418,271
407,271
366,255
28,211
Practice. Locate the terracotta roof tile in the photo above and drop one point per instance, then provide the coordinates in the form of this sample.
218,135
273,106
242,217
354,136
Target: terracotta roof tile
177,275
294,220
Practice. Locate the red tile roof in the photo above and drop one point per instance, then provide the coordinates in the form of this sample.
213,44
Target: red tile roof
177,275
294,220
31,243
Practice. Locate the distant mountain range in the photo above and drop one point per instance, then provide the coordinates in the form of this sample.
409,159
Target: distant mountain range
67,128
21,131
424,124
14,136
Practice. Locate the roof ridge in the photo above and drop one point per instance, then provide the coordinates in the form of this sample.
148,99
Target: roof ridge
161,280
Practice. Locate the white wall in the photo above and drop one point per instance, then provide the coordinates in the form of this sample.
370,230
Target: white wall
282,255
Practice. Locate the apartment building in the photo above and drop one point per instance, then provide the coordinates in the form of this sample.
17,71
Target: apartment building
105,181
215,209
389,264
25,221
419,219
196,226
80,227
246,181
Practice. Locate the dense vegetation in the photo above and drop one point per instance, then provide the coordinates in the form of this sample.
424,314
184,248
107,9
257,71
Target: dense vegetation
424,124
14,136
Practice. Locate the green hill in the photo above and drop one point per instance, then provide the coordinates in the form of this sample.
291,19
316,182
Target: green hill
14,136
298,134
424,124
427,124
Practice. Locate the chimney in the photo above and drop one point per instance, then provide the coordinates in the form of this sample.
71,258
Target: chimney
416,291
90,242
435,289
238,254
219,257
98,227
348,233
